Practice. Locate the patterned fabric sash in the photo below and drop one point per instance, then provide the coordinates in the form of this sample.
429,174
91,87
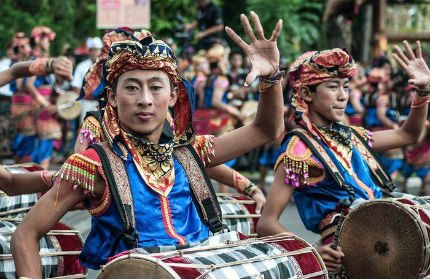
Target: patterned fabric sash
201,186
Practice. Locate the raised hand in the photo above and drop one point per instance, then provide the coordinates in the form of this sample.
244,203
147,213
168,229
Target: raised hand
63,67
414,65
263,53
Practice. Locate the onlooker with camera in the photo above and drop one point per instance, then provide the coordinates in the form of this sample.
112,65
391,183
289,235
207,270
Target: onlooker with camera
209,23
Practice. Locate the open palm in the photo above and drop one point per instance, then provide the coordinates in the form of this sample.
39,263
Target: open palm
414,65
263,53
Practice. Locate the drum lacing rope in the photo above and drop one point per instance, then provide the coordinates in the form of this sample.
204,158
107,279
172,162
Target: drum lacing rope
212,267
166,255
416,215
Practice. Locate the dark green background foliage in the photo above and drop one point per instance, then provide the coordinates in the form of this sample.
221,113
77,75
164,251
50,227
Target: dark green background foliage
74,20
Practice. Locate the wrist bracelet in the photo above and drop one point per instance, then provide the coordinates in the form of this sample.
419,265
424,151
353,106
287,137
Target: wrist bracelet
420,101
45,181
273,79
38,67
423,93
49,66
249,190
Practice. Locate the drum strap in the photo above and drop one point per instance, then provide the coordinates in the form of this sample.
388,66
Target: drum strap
378,172
324,158
203,193
120,191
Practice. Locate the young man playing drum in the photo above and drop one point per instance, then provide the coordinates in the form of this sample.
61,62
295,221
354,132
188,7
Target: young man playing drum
324,161
92,132
155,191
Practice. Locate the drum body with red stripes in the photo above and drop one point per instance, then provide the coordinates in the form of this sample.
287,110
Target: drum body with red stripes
17,206
276,257
387,238
238,212
59,250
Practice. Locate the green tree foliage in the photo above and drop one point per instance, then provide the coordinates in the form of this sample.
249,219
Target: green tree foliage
72,20
301,23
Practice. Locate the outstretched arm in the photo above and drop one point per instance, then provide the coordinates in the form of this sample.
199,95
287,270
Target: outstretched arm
41,218
419,74
60,66
24,183
268,123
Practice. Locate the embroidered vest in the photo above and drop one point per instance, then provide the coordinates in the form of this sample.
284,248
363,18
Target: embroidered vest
378,173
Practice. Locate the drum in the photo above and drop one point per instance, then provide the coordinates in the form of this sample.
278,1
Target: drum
18,205
59,250
275,257
387,238
67,106
238,213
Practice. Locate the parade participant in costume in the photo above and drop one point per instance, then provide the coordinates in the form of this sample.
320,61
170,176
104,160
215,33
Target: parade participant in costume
91,132
201,70
381,116
355,109
417,157
60,66
22,108
94,46
141,83
42,36
325,161
47,127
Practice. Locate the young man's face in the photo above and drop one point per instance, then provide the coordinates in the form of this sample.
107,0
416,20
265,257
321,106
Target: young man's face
142,99
328,102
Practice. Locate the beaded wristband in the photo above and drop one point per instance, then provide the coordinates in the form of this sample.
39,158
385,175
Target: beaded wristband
49,69
268,81
38,67
273,79
249,190
423,93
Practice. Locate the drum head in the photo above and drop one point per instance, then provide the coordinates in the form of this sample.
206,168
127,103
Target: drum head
382,239
135,266
67,106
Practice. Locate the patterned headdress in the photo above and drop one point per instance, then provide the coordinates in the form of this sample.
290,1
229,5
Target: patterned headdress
313,68
94,76
39,32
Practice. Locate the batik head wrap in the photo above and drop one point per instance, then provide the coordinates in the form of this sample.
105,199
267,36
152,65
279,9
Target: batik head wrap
95,73
39,32
313,68
150,54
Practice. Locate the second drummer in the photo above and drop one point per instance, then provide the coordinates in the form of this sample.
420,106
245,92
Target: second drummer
324,162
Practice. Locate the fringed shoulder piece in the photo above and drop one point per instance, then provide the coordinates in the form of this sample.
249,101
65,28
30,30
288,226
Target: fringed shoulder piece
364,134
80,170
298,160
203,144
91,131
